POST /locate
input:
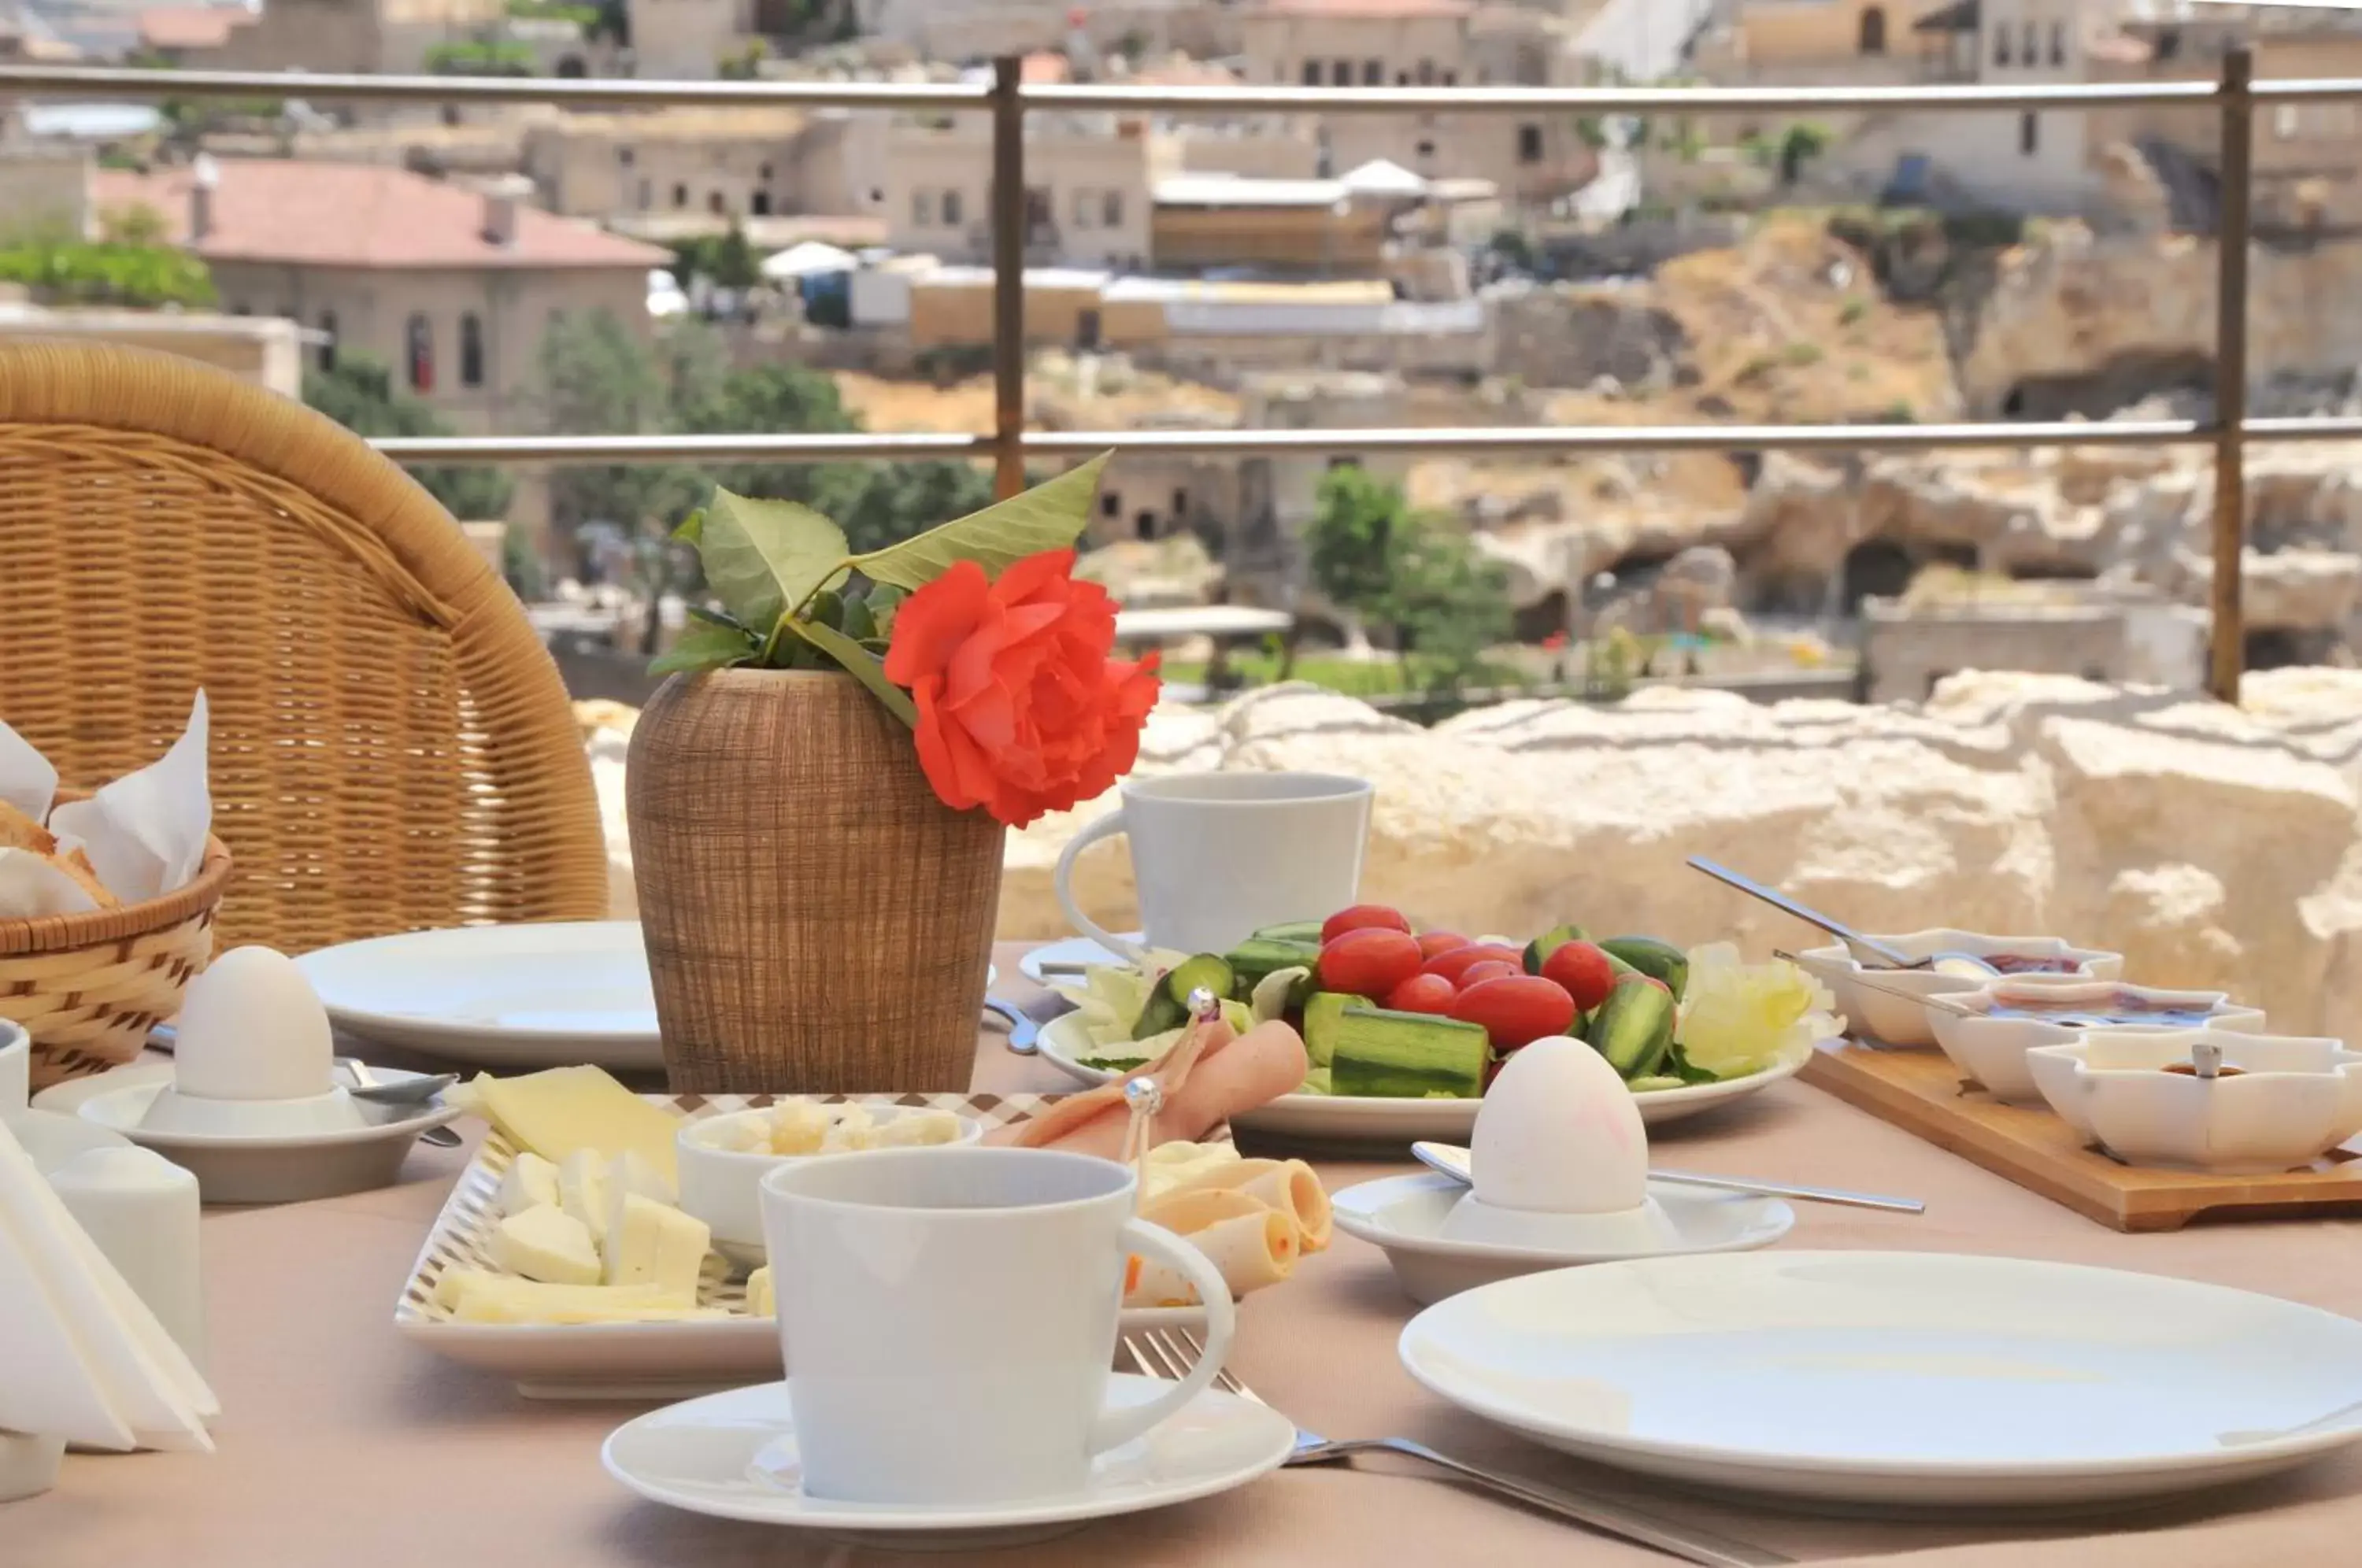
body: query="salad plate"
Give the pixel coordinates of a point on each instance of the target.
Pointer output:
(733, 1456)
(1066, 1043)
(1074, 950)
(530, 995)
(1900, 1380)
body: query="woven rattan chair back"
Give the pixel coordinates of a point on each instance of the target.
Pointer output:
(391, 746)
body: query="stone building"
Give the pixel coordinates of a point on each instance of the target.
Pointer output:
(1087, 182)
(452, 288)
(749, 162)
(364, 36)
(1431, 43)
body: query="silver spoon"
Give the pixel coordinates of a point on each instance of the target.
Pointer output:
(366, 1086)
(1865, 950)
(1455, 1162)
(1024, 1035)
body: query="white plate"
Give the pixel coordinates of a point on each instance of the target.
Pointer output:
(1404, 1215)
(499, 995)
(1349, 1118)
(549, 995)
(733, 1456)
(288, 1167)
(635, 1361)
(1074, 950)
(1900, 1379)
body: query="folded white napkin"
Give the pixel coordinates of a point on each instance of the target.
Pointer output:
(144, 833)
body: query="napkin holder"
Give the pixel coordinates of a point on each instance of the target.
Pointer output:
(89, 987)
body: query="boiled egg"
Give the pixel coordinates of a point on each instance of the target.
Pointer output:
(1560, 1133)
(251, 1028)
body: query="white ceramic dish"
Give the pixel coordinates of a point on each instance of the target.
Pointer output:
(285, 1166)
(1405, 1215)
(733, 1456)
(1991, 1051)
(1351, 1118)
(1900, 1380)
(2292, 1100)
(1073, 950)
(632, 1361)
(1903, 1021)
(725, 1186)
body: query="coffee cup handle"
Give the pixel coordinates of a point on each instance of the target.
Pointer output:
(1118, 1427)
(1062, 883)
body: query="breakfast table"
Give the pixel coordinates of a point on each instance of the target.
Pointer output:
(341, 1443)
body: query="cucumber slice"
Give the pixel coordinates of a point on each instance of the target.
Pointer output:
(1251, 960)
(1549, 942)
(1409, 1055)
(1207, 969)
(1160, 1014)
(1324, 1013)
(1634, 1028)
(1291, 931)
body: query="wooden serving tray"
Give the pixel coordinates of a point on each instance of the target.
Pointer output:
(1922, 1092)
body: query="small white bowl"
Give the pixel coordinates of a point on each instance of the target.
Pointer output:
(1903, 1021)
(2292, 1100)
(725, 1186)
(1407, 1216)
(250, 1160)
(1991, 1051)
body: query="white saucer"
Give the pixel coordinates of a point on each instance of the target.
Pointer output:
(1405, 1215)
(1074, 950)
(733, 1456)
(266, 1167)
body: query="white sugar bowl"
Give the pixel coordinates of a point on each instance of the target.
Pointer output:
(2278, 1103)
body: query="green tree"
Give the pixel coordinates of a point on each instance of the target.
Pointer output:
(359, 394)
(1799, 145)
(878, 503)
(599, 379)
(1415, 574)
(1350, 539)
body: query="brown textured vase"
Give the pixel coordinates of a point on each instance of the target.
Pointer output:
(817, 921)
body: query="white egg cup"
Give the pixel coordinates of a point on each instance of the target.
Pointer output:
(1992, 1051)
(1643, 1228)
(198, 1116)
(725, 1186)
(265, 1150)
(1903, 1020)
(2292, 1099)
(28, 1466)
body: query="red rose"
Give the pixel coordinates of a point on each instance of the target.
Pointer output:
(1020, 710)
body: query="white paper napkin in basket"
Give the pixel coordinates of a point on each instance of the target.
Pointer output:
(144, 833)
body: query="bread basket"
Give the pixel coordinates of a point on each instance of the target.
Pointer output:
(88, 988)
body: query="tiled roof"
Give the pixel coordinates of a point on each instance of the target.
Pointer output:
(359, 215)
(1044, 66)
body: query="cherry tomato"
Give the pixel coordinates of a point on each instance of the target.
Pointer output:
(1363, 917)
(1486, 969)
(1422, 993)
(1435, 944)
(1456, 963)
(1584, 970)
(1516, 1009)
(1370, 962)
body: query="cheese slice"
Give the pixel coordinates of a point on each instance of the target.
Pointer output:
(547, 1244)
(761, 1301)
(582, 1191)
(529, 1181)
(632, 1171)
(497, 1301)
(650, 1243)
(455, 1285)
(558, 1112)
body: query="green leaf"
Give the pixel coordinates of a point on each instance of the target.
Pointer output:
(692, 527)
(763, 558)
(862, 665)
(1047, 517)
(704, 646)
(856, 622)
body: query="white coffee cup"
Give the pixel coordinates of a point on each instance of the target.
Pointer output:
(949, 1317)
(1216, 855)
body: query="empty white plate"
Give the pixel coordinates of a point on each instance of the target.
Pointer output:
(499, 995)
(733, 1456)
(1904, 1380)
(1405, 1215)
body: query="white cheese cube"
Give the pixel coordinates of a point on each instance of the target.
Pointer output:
(530, 1182)
(798, 1127)
(582, 1190)
(853, 1129)
(915, 1129)
(547, 1244)
(649, 1244)
(760, 1300)
(633, 1172)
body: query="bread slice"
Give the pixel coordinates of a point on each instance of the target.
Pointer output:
(18, 831)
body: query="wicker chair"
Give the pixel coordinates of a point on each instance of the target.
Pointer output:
(392, 746)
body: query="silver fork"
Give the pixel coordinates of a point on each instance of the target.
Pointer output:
(1170, 1353)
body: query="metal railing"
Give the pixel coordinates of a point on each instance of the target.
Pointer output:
(2234, 94)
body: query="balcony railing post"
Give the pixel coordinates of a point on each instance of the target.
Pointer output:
(1008, 204)
(2228, 648)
